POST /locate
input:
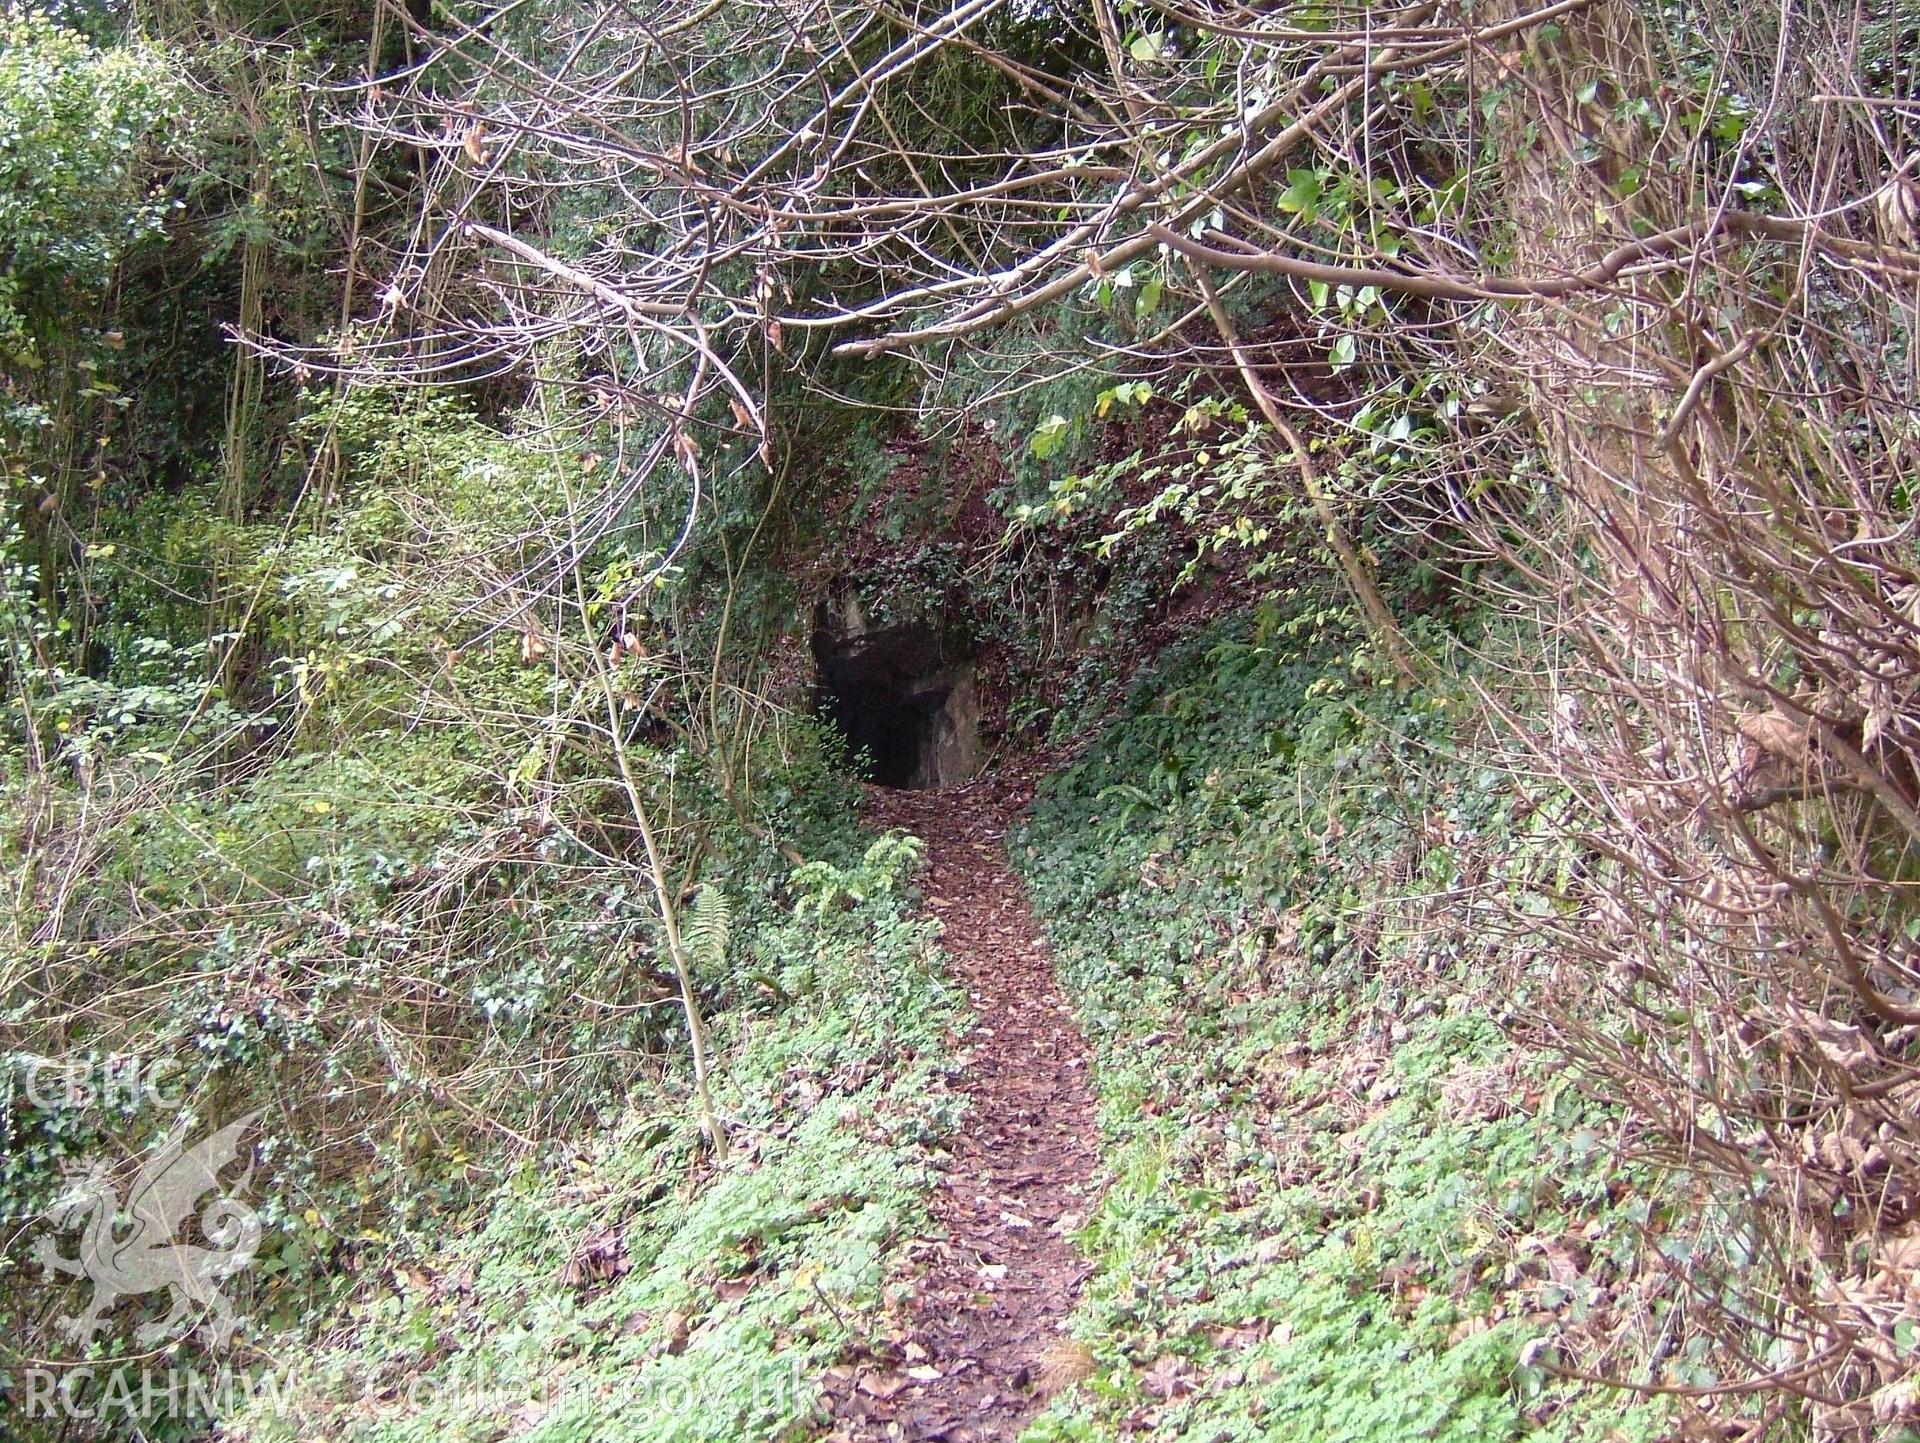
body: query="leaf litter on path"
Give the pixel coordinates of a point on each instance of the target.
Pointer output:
(979, 1347)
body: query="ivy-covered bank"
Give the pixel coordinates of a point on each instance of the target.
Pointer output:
(1347, 1202)
(627, 1288)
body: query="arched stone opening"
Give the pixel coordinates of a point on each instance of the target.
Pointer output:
(899, 697)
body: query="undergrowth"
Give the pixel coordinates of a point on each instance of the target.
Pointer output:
(615, 1283)
(1346, 1203)
(628, 1290)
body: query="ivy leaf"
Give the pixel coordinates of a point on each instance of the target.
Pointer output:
(1302, 195)
(1127, 393)
(1048, 437)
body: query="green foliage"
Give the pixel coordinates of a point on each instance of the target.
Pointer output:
(402, 902)
(822, 889)
(707, 925)
(1344, 1202)
(77, 126)
(627, 1293)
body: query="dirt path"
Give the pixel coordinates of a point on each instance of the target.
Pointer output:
(982, 1344)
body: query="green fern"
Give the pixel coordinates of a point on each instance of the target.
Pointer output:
(709, 919)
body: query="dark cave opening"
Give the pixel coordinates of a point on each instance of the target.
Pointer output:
(896, 697)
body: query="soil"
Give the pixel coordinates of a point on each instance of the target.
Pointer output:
(980, 1346)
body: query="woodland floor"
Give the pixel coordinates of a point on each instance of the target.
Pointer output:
(980, 1346)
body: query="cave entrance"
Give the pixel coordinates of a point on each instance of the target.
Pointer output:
(896, 695)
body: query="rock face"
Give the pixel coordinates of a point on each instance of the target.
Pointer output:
(898, 694)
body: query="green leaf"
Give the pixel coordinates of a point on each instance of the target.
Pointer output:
(1302, 195)
(1048, 437)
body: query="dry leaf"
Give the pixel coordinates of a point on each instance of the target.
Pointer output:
(1901, 1254)
(1898, 209)
(677, 1329)
(1167, 1378)
(1773, 732)
(1841, 1043)
(687, 449)
(600, 1257)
